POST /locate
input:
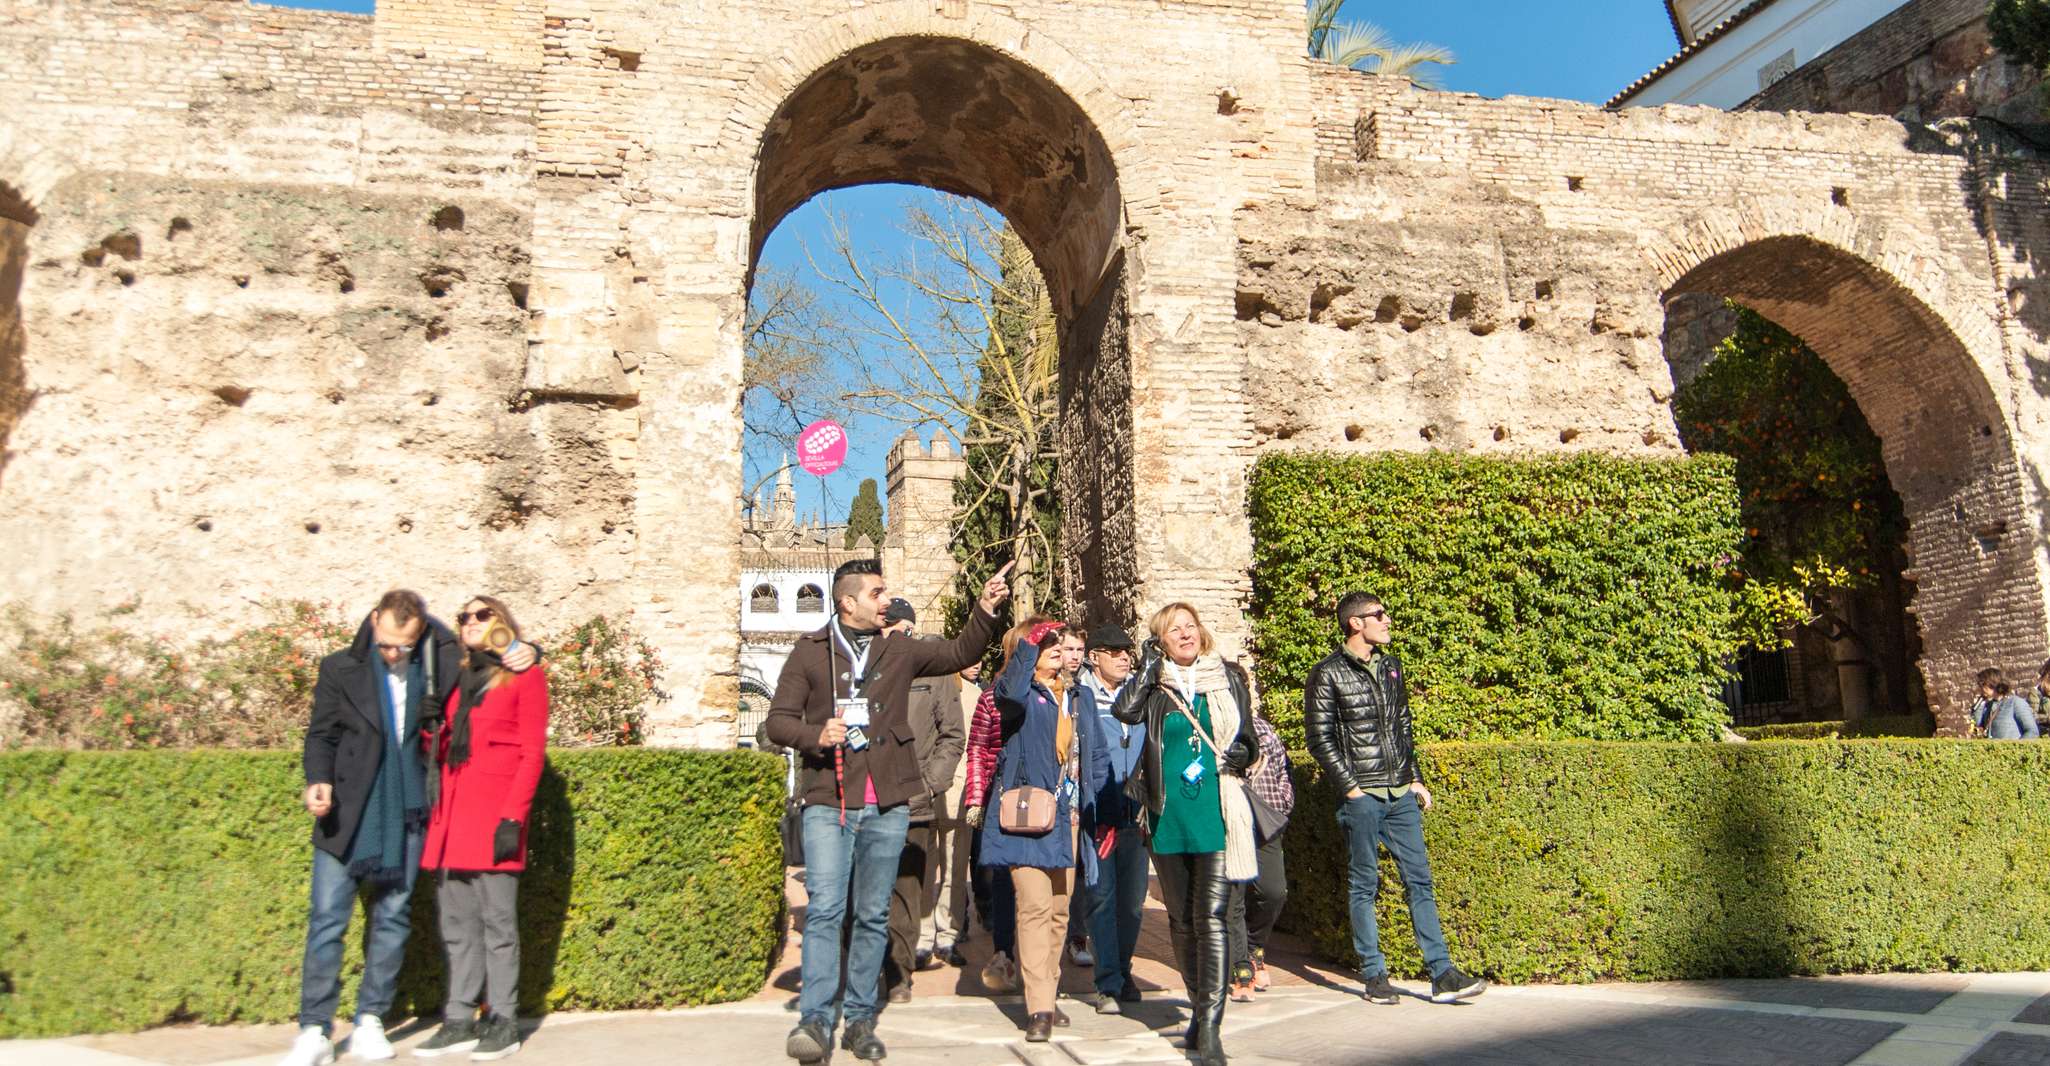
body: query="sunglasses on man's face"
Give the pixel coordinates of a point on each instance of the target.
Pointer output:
(1374, 615)
(481, 614)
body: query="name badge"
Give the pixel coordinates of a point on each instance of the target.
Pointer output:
(852, 711)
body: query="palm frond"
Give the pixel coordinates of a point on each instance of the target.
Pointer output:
(1318, 18)
(1352, 43)
(1409, 61)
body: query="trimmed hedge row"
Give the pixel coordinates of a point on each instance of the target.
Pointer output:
(1591, 861)
(1544, 598)
(149, 887)
(1896, 725)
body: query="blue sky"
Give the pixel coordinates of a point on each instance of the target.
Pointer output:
(1576, 50)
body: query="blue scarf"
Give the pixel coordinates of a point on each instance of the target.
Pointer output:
(398, 800)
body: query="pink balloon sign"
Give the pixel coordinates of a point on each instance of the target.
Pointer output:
(822, 447)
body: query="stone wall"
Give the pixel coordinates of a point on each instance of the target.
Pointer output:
(1926, 60)
(266, 358)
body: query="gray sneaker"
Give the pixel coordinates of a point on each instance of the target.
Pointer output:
(1378, 990)
(452, 1038)
(497, 1038)
(1453, 986)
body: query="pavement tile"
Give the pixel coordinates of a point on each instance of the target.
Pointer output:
(2011, 1049)
(2037, 1013)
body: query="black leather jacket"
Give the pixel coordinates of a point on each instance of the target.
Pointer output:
(1145, 699)
(1358, 728)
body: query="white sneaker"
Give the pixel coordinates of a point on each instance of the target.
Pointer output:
(1079, 950)
(313, 1048)
(368, 1041)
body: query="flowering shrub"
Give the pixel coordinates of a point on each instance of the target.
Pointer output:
(601, 677)
(66, 686)
(106, 686)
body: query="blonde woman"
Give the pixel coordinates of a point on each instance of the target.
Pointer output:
(1198, 713)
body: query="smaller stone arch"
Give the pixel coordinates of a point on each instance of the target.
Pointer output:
(28, 172)
(1884, 318)
(810, 599)
(764, 600)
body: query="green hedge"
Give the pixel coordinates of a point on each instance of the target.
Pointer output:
(150, 887)
(1533, 598)
(1588, 861)
(1901, 725)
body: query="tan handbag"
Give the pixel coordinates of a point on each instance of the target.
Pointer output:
(1023, 810)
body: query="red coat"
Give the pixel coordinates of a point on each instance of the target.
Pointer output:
(508, 747)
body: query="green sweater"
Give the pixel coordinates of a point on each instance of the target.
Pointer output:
(1191, 815)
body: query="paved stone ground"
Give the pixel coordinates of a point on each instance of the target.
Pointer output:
(1312, 1015)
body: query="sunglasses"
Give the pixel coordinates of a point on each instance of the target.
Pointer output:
(1376, 614)
(481, 614)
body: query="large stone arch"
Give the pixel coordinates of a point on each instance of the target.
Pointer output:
(1880, 310)
(990, 111)
(1006, 50)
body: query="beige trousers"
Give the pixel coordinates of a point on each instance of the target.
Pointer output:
(1042, 928)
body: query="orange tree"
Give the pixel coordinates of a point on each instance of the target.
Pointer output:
(1817, 508)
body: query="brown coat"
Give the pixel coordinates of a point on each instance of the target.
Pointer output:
(804, 701)
(939, 735)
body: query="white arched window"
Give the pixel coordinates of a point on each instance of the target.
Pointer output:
(764, 600)
(810, 600)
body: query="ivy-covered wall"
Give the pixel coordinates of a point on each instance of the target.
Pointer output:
(1589, 597)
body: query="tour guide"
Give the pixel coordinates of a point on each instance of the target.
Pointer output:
(843, 703)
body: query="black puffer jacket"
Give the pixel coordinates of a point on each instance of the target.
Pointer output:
(1144, 699)
(1358, 728)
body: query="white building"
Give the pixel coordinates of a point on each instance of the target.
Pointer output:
(1732, 50)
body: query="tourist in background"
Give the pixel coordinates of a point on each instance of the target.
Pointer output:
(1356, 718)
(1072, 656)
(1197, 710)
(952, 891)
(1257, 903)
(493, 745)
(937, 735)
(1999, 714)
(985, 742)
(1114, 861)
(368, 774)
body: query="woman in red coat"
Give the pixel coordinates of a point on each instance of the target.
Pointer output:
(493, 746)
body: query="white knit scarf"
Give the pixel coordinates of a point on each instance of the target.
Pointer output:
(1241, 863)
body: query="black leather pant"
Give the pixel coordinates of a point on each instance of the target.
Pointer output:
(1198, 899)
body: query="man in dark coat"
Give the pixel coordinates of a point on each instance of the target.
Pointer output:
(367, 776)
(938, 735)
(843, 703)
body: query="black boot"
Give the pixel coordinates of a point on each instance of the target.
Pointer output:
(861, 1039)
(1209, 1047)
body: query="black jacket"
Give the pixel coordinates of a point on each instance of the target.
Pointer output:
(1145, 699)
(345, 741)
(1358, 728)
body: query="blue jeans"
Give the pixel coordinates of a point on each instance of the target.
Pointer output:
(848, 872)
(1397, 823)
(391, 921)
(1117, 902)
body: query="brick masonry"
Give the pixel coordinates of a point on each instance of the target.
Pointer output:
(323, 383)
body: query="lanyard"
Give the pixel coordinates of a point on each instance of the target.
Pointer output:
(859, 667)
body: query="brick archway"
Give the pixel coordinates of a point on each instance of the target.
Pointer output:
(1876, 314)
(967, 117)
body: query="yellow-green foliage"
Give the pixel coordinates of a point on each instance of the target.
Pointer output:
(1532, 598)
(1587, 861)
(147, 887)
